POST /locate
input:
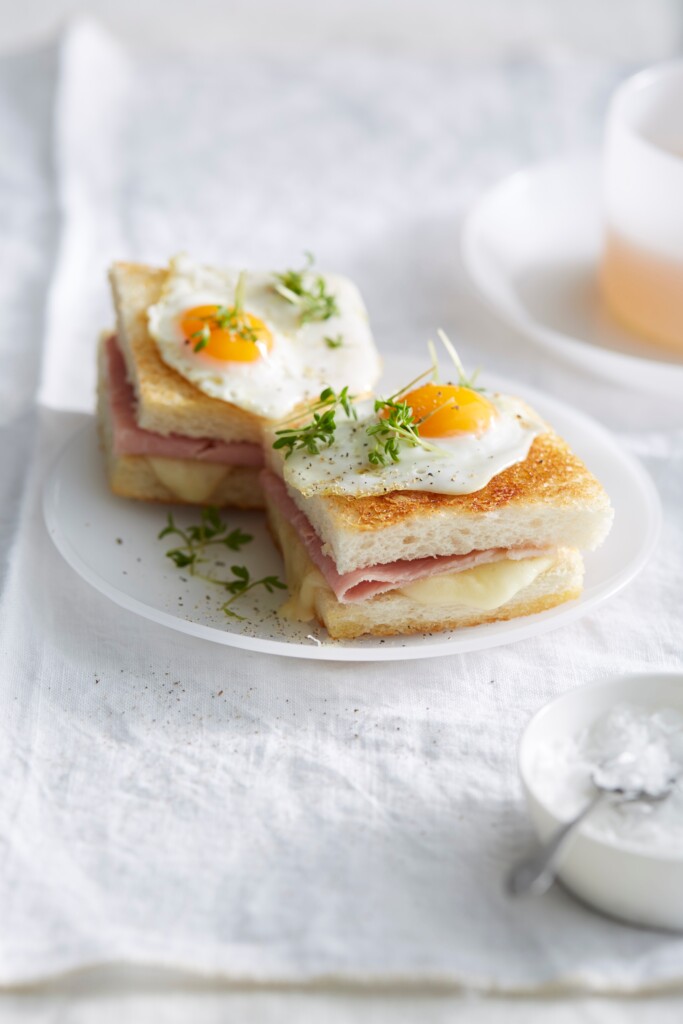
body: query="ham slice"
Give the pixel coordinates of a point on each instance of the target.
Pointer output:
(361, 584)
(130, 439)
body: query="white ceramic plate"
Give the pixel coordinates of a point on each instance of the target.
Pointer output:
(112, 543)
(531, 246)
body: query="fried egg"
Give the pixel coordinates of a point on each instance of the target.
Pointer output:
(466, 437)
(256, 353)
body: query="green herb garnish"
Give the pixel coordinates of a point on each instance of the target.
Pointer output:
(203, 336)
(211, 531)
(335, 342)
(464, 381)
(311, 296)
(395, 425)
(398, 426)
(228, 318)
(390, 432)
(242, 583)
(322, 427)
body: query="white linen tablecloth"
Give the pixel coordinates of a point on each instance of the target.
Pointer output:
(171, 802)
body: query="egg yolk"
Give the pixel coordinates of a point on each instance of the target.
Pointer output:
(225, 333)
(450, 409)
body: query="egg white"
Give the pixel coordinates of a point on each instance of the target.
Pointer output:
(460, 464)
(299, 364)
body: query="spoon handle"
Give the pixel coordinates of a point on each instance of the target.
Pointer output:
(537, 873)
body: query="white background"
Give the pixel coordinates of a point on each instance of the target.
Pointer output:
(640, 30)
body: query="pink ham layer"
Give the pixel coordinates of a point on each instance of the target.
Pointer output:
(361, 584)
(130, 439)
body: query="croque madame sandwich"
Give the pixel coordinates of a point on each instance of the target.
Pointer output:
(443, 506)
(203, 358)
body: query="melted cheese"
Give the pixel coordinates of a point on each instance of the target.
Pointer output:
(304, 579)
(485, 587)
(300, 607)
(189, 481)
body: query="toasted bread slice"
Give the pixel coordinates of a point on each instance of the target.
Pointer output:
(182, 481)
(166, 402)
(550, 500)
(394, 613)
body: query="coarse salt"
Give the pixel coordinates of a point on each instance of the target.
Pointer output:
(642, 748)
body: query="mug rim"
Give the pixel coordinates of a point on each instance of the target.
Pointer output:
(618, 118)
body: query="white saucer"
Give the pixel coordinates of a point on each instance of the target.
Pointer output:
(112, 543)
(531, 246)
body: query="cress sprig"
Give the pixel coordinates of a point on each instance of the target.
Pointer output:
(321, 429)
(228, 318)
(311, 296)
(242, 583)
(398, 426)
(212, 530)
(464, 380)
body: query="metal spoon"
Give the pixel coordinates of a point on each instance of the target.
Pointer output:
(535, 874)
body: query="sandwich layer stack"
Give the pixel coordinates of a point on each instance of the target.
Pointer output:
(407, 561)
(181, 408)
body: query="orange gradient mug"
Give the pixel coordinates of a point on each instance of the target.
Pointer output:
(641, 274)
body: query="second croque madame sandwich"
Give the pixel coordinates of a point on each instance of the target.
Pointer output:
(203, 358)
(443, 506)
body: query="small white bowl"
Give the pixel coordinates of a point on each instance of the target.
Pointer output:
(641, 888)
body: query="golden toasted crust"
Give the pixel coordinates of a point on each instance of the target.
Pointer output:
(167, 403)
(341, 629)
(550, 473)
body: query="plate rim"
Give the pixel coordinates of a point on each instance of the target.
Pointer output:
(571, 347)
(473, 639)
